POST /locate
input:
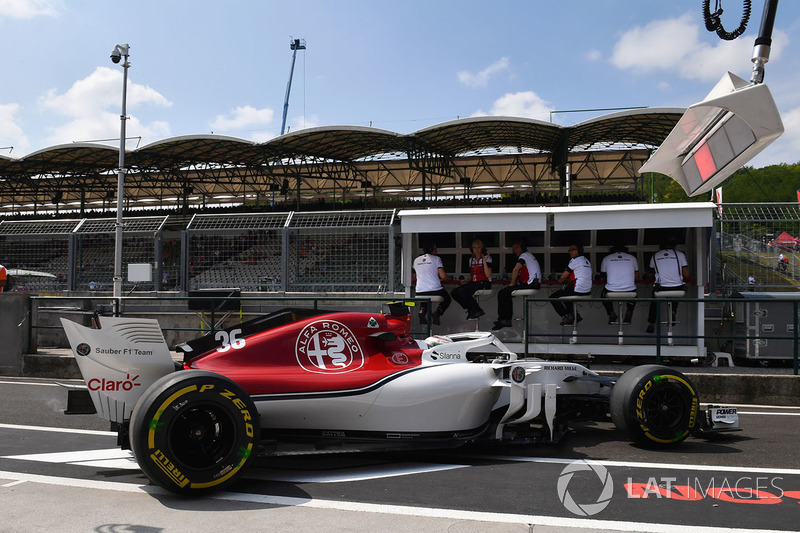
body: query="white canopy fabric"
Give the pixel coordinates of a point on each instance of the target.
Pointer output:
(683, 215)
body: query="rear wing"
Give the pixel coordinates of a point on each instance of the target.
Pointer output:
(119, 361)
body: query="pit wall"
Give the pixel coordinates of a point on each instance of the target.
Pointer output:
(14, 331)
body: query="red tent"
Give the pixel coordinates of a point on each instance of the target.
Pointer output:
(784, 238)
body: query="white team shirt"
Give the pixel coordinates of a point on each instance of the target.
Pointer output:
(582, 270)
(530, 268)
(668, 265)
(620, 269)
(427, 268)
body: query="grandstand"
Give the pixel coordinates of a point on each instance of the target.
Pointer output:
(314, 211)
(78, 254)
(340, 251)
(467, 158)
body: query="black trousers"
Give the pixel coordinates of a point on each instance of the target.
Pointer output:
(505, 300)
(566, 307)
(463, 294)
(443, 305)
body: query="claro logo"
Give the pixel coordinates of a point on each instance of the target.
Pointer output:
(110, 385)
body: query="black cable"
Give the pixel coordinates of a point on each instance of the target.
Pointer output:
(714, 23)
(711, 19)
(757, 184)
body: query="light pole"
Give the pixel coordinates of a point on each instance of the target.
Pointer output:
(120, 51)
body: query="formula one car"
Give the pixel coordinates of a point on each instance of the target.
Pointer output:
(301, 379)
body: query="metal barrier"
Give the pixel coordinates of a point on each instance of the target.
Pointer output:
(792, 328)
(220, 309)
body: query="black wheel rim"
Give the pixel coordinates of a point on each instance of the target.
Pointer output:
(201, 436)
(665, 409)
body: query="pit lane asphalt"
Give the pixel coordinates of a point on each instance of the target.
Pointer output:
(502, 488)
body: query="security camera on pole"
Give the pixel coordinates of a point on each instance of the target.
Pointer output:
(120, 51)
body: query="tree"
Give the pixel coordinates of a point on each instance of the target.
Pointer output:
(774, 183)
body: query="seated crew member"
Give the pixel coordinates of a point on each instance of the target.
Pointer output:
(621, 272)
(480, 267)
(525, 275)
(578, 279)
(671, 271)
(428, 274)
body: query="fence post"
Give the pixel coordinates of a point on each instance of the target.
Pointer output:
(658, 332)
(796, 344)
(525, 323)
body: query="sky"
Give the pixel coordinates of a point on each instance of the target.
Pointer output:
(201, 67)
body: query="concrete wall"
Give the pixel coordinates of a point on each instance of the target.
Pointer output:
(748, 389)
(13, 332)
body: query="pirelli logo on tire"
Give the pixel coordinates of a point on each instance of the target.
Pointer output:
(667, 403)
(242, 409)
(194, 430)
(168, 468)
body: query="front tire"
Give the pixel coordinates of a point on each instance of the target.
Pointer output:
(655, 405)
(193, 431)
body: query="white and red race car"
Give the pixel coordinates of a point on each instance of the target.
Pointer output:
(301, 379)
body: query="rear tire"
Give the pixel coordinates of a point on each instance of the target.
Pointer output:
(655, 405)
(193, 431)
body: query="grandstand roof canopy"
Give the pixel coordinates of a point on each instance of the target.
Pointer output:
(480, 155)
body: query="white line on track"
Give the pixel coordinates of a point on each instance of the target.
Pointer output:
(628, 464)
(752, 405)
(124, 460)
(363, 473)
(108, 458)
(763, 413)
(59, 430)
(397, 510)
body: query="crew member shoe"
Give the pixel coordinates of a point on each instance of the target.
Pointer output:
(476, 314)
(567, 320)
(651, 328)
(628, 317)
(613, 318)
(500, 324)
(423, 319)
